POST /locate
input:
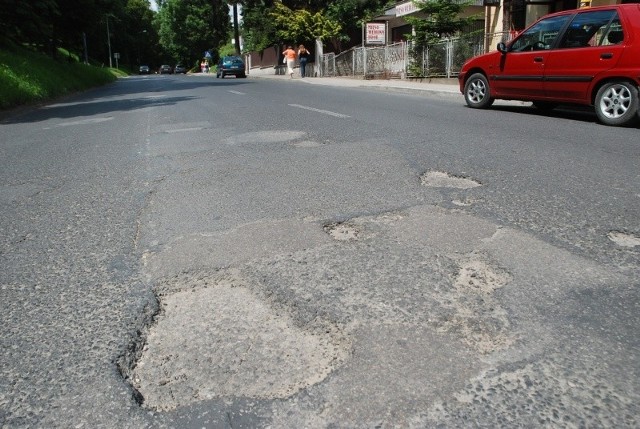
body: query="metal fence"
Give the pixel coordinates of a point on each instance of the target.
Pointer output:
(400, 60)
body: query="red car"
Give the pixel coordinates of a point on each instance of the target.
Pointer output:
(584, 56)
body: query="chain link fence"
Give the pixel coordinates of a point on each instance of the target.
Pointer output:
(400, 60)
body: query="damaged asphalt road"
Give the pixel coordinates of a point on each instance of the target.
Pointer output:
(168, 264)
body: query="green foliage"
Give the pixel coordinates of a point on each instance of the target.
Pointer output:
(26, 21)
(442, 20)
(188, 28)
(27, 77)
(260, 33)
(302, 25)
(226, 50)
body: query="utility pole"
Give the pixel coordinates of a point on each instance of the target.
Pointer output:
(109, 42)
(84, 46)
(236, 30)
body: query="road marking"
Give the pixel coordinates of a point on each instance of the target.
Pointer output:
(85, 121)
(237, 92)
(181, 130)
(324, 112)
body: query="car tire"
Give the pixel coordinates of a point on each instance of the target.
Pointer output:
(242, 76)
(617, 103)
(477, 93)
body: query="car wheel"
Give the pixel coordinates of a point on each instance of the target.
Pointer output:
(617, 103)
(545, 106)
(242, 75)
(477, 93)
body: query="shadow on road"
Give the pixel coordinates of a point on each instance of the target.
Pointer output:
(124, 95)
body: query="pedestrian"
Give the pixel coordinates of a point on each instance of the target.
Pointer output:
(290, 58)
(202, 66)
(303, 55)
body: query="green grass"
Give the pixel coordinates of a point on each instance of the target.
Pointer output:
(28, 77)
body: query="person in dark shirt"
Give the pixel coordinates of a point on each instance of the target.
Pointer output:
(303, 56)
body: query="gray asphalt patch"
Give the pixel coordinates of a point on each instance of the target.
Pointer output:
(439, 179)
(624, 239)
(219, 340)
(421, 317)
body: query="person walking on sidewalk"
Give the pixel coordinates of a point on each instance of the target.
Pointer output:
(303, 55)
(290, 58)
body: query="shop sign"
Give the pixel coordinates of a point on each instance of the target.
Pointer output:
(376, 33)
(406, 8)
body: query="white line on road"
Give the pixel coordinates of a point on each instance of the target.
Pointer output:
(324, 112)
(237, 92)
(84, 121)
(182, 130)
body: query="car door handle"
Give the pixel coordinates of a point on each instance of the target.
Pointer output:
(537, 59)
(606, 56)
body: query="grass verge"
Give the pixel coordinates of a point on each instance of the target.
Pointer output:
(28, 77)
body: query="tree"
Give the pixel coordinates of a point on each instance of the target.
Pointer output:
(188, 28)
(260, 33)
(26, 21)
(351, 15)
(139, 34)
(302, 25)
(443, 19)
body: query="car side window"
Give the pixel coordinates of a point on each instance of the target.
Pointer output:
(612, 35)
(587, 29)
(541, 35)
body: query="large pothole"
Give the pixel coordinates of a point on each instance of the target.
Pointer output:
(223, 341)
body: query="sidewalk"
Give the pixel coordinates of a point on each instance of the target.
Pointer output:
(447, 87)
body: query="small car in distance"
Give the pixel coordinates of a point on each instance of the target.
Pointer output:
(164, 69)
(144, 70)
(179, 69)
(588, 57)
(231, 66)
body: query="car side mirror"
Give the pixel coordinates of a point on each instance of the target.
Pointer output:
(502, 47)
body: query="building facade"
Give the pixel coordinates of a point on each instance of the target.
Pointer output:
(498, 19)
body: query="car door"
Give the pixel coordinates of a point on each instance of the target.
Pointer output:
(590, 45)
(521, 70)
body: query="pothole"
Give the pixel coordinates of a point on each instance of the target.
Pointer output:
(623, 239)
(478, 276)
(439, 179)
(362, 228)
(222, 341)
(477, 316)
(343, 231)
